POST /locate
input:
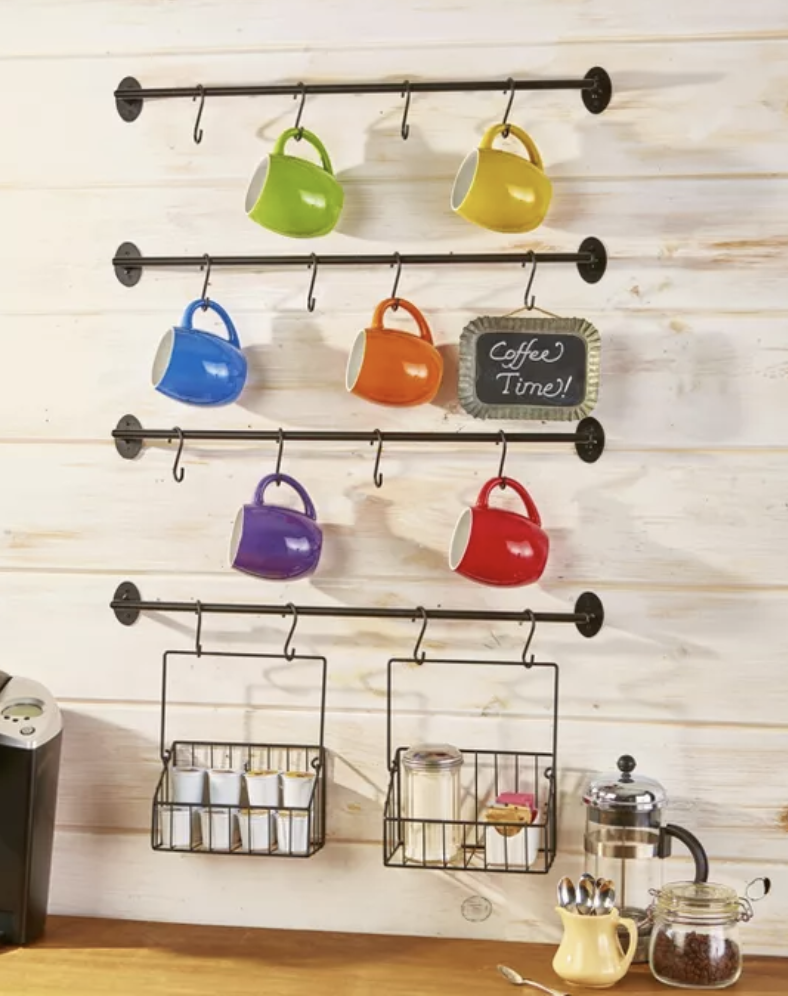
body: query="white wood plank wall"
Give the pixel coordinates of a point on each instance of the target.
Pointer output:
(682, 527)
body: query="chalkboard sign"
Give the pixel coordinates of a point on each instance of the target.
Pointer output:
(529, 368)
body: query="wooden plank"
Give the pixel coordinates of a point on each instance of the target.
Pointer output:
(103, 788)
(87, 956)
(662, 656)
(656, 517)
(715, 111)
(132, 28)
(118, 875)
(671, 381)
(674, 244)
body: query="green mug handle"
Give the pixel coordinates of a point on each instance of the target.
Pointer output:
(313, 140)
(492, 133)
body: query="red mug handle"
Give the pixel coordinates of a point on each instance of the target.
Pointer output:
(412, 310)
(484, 496)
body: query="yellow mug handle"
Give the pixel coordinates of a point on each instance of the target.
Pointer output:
(632, 929)
(492, 133)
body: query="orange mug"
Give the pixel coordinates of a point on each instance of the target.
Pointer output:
(394, 367)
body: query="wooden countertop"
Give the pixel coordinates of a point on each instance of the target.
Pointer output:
(86, 957)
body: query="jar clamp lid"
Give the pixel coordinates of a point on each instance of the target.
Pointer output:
(707, 902)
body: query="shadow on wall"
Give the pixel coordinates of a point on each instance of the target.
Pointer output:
(309, 366)
(108, 774)
(423, 206)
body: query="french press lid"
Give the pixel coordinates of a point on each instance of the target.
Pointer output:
(625, 792)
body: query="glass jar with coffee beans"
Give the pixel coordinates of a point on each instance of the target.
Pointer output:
(695, 936)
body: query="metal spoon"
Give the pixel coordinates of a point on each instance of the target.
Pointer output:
(566, 894)
(584, 899)
(604, 899)
(517, 980)
(589, 880)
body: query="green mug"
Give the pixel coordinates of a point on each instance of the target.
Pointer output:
(293, 196)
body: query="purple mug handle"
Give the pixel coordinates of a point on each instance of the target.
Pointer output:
(309, 508)
(188, 317)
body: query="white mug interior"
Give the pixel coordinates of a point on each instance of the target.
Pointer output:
(461, 538)
(161, 361)
(256, 185)
(355, 360)
(237, 535)
(463, 182)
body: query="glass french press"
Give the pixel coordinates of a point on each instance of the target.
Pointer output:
(624, 833)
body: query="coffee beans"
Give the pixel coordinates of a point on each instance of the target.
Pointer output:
(695, 959)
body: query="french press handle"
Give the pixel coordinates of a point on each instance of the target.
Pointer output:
(693, 845)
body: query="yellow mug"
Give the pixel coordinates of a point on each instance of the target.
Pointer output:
(500, 190)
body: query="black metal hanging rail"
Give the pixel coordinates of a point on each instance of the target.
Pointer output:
(590, 259)
(588, 439)
(595, 88)
(588, 615)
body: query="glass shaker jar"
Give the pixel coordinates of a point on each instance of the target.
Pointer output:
(695, 936)
(431, 803)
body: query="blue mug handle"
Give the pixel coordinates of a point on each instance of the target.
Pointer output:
(309, 508)
(188, 318)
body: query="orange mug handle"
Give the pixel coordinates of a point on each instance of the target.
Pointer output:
(484, 496)
(412, 310)
(530, 147)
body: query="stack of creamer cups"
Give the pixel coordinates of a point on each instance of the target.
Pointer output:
(257, 811)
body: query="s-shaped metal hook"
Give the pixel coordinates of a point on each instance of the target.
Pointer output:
(197, 133)
(377, 476)
(419, 655)
(526, 660)
(289, 651)
(177, 471)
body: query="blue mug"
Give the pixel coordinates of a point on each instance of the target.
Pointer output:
(200, 368)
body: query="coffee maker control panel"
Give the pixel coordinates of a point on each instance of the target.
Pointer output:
(29, 716)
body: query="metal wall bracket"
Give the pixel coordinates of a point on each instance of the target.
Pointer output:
(130, 107)
(597, 99)
(127, 273)
(128, 591)
(593, 270)
(590, 444)
(590, 605)
(128, 448)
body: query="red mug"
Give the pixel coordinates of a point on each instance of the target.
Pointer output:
(498, 547)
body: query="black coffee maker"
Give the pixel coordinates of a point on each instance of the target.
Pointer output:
(31, 730)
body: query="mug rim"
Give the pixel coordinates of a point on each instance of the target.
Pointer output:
(257, 184)
(355, 360)
(472, 157)
(462, 530)
(163, 358)
(237, 534)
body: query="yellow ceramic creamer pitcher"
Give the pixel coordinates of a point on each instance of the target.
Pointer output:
(590, 953)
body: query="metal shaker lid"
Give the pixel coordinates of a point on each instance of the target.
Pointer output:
(432, 757)
(625, 791)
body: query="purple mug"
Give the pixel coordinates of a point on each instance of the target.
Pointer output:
(274, 542)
